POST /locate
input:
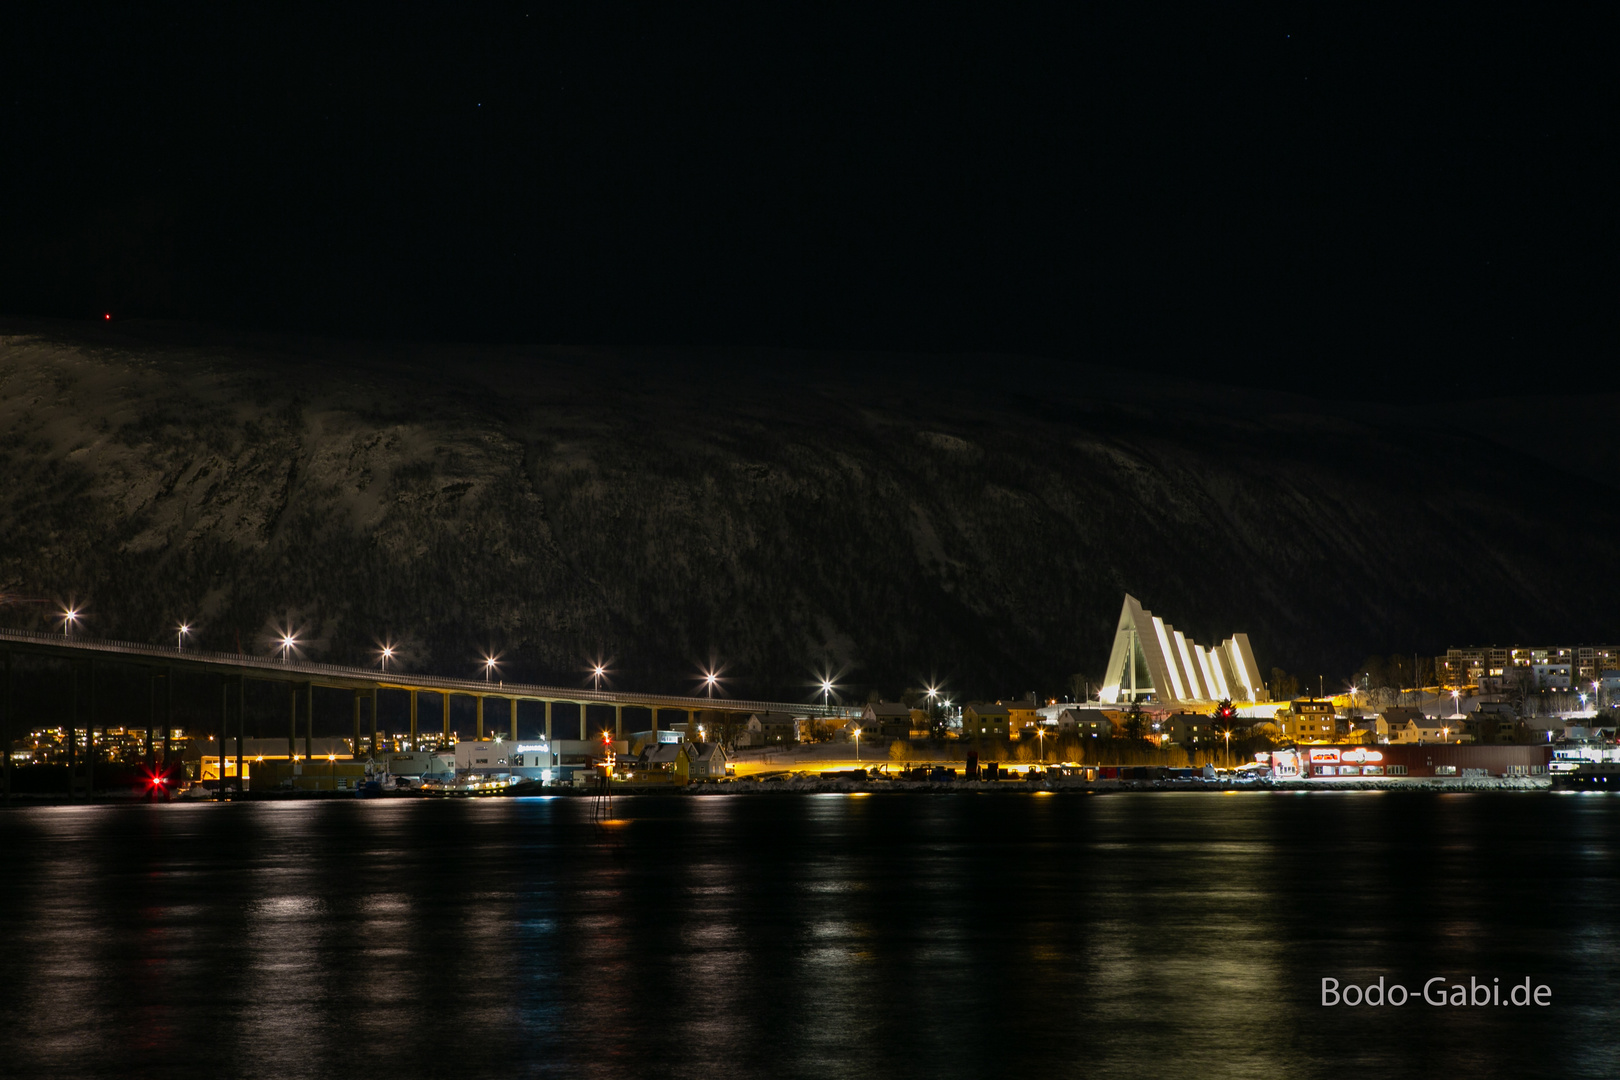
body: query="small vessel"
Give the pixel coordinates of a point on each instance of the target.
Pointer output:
(471, 782)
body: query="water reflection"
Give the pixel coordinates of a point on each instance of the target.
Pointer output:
(1137, 935)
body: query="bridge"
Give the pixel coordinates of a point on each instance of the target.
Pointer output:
(302, 677)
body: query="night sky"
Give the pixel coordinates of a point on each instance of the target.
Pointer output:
(1402, 204)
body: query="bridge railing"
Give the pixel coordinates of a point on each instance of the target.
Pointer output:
(276, 667)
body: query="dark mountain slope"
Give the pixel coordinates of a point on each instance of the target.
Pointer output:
(894, 517)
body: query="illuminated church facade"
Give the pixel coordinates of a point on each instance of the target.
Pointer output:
(1153, 661)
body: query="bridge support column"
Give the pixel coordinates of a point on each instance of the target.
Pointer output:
(90, 738)
(444, 707)
(9, 726)
(356, 744)
(652, 715)
(479, 735)
(413, 721)
(373, 721)
(583, 734)
(151, 714)
(309, 721)
(73, 729)
(292, 722)
(241, 730)
(168, 723)
(548, 723)
(224, 726)
(618, 722)
(691, 723)
(514, 719)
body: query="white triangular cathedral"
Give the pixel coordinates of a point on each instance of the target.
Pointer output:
(1153, 661)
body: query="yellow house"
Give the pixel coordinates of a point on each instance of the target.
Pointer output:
(1308, 721)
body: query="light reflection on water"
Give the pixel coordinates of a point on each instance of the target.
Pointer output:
(1158, 935)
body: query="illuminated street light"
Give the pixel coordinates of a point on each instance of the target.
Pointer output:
(596, 676)
(857, 744)
(710, 678)
(490, 664)
(70, 619)
(386, 653)
(180, 636)
(288, 643)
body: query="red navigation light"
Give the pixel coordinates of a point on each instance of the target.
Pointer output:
(107, 317)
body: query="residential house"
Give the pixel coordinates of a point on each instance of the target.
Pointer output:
(1428, 729)
(1308, 721)
(774, 729)
(1084, 724)
(982, 720)
(700, 761)
(887, 720)
(1491, 727)
(1191, 730)
(1022, 716)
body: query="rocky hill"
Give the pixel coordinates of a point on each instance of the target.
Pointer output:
(893, 518)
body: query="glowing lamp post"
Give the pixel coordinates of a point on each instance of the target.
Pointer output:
(489, 666)
(857, 744)
(70, 619)
(180, 636)
(288, 641)
(387, 654)
(596, 676)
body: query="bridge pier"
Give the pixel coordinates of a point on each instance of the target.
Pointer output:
(618, 723)
(224, 727)
(9, 727)
(373, 721)
(355, 752)
(478, 733)
(652, 711)
(444, 707)
(151, 714)
(514, 719)
(583, 734)
(548, 723)
(241, 730)
(292, 722)
(413, 721)
(90, 738)
(73, 728)
(309, 721)
(168, 726)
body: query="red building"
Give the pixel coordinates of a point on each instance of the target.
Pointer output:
(1410, 760)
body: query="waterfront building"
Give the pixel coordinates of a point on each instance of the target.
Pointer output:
(1409, 760)
(1153, 661)
(700, 761)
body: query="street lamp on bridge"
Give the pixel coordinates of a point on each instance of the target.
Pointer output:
(386, 653)
(70, 619)
(180, 636)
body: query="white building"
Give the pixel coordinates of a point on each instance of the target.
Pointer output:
(1152, 660)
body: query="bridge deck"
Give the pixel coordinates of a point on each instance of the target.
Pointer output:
(269, 668)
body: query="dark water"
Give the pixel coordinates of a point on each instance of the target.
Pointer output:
(1163, 935)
